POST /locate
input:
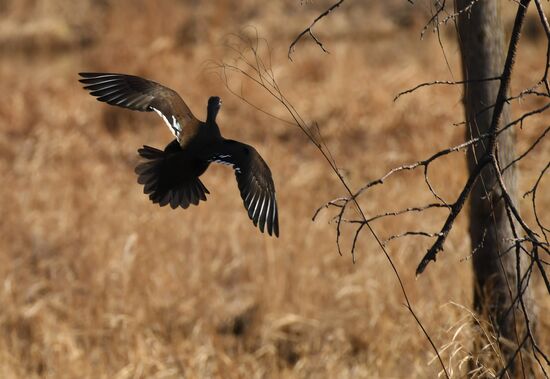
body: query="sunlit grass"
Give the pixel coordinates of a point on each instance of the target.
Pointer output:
(95, 281)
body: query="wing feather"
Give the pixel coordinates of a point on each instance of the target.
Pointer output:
(139, 94)
(254, 180)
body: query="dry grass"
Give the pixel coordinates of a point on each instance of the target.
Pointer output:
(96, 282)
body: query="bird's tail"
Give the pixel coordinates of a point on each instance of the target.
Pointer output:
(164, 183)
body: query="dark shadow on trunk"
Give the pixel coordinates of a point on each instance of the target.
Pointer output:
(481, 38)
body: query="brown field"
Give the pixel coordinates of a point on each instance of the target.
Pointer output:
(97, 282)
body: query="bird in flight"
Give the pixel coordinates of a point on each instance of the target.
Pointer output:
(171, 176)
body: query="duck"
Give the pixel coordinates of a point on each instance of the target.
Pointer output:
(172, 176)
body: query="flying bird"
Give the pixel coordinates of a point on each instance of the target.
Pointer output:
(171, 176)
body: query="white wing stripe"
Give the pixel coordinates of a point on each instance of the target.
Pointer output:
(112, 79)
(110, 92)
(267, 210)
(220, 158)
(251, 202)
(222, 162)
(137, 99)
(256, 208)
(174, 126)
(262, 207)
(103, 88)
(274, 212)
(122, 99)
(247, 196)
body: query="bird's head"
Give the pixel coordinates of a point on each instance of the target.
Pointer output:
(214, 105)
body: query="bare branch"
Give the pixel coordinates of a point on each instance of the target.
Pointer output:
(443, 82)
(334, 203)
(504, 370)
(506, 74)
(455, 211)
(513, 209)
(491, 145)
(546, 26)
(526, 152)
(522, 118)
(434, 18)
(408, 210)
(533, 193)
(521, 95)
(379, 216)
(455, 15)
(422, 163)
(479, 246)
(308, 30)
(258, 71)
(410, 233)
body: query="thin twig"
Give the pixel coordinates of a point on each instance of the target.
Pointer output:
(455, 211)
(433, 19)
(410, 233)
(533, 145)
(258, 69)
(533, 193)
(491, 145)
(443, 82)
(308, 30)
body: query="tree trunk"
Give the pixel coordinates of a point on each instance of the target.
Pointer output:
(481, 38)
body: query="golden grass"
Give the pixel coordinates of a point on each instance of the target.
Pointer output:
(97, 282)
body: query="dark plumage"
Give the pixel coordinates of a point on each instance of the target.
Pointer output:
(171, 176)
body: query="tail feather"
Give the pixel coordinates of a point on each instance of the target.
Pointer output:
(193, 195)
(202, 191)
(162, 183)
(149, 152)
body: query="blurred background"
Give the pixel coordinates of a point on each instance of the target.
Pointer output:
(97, 282)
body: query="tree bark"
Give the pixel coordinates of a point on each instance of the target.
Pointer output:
(481, 39)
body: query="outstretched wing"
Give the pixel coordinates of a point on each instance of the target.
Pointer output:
(254, 180)
(143, 95)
